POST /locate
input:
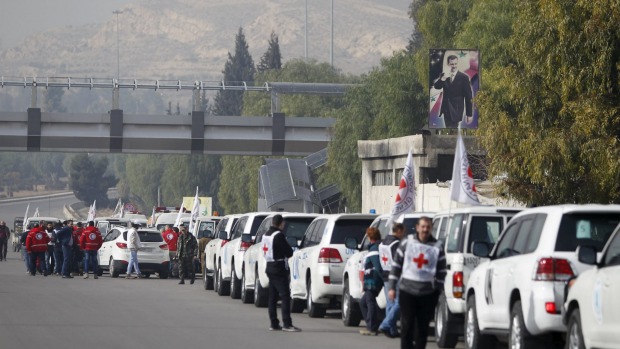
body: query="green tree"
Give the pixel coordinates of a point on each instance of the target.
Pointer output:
(272, 59)
(53, 100)
(554, 132)
(238, 68)
(143, 174)
(88, 181)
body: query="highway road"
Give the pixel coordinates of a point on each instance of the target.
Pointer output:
(48, 206)
(51, 312)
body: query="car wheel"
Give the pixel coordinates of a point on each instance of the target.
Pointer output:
(574, 336)
(222, 288)
(351, 313)
(246, 295)
(315, 310)
(473, 338)
(113, 272)
(443, 319)
(261, 295)
(207, 280)
(235, 285)
(519, 337)
(146, 275)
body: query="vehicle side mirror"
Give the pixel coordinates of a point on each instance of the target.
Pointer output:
(587, 255)
(223, 235)
(292, 241)
(247, 238)
(481, 249)
(351, 243)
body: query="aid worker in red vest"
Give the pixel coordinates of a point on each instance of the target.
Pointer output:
(36, 246)
(78, 257)
(90, 243)
(171, 237)
(420, 266)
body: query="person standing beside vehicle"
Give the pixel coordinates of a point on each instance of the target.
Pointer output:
(36, 245)
(373, 282)
(90, 243)
(133, 244)
(50, 256)
(419, 266)
(64, 238)
(186, 252)
(387, 251)
(58, 256)
(277, 251)
(25, 255)
(77, 257)
(5, 233)
(171, 238)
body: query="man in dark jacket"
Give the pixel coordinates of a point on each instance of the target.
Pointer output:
(457, 94)
(277, 252)
(5, 233)
(22, 241)
(373, 282)
(186, 252)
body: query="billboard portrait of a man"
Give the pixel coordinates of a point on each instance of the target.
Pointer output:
(454, 82)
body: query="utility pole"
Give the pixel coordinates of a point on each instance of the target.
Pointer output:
(306, 31)
(331, 48)
(118, 51)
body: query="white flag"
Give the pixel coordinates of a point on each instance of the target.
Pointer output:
(118, 209)
(195, 211)
(462, 189)
(36, 213)
(92, 212)
(153, 217)
(177, 222)
(405, 199)
(26, 214)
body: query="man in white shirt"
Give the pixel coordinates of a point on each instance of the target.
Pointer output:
(133, 244)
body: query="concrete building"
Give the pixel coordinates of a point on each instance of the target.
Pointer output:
(433, 156)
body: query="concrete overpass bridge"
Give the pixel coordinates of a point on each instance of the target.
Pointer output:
(197, 133)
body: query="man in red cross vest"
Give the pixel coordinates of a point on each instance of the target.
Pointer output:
(419, 270)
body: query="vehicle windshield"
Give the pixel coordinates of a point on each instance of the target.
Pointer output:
(206, 229)
(355, 228)
(592, 229)
(485, 229)
(147, 236)
(296, 227)
(256, 224)
(612, 256)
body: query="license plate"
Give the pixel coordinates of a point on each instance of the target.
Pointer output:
(146, 249)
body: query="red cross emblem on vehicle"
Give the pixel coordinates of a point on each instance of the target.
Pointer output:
(420, 261)
(265, 249)
(384, 259)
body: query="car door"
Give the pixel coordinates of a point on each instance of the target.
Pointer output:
(609, 285)
(106, 248)
(299, 260)
(494, 275)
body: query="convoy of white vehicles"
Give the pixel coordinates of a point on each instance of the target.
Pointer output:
(537, 277)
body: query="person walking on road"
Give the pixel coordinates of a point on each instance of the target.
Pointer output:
(420, 267)
(133, 244)
(171, 238)
(36, 245)
(90, 243)
(373, 282)
(387, 251)
(25, 255)
(186, 252)
(277, 251)
(64, 238)
(5, 233)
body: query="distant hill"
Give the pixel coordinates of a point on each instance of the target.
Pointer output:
(189, 39)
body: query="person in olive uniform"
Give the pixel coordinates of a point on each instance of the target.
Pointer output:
(186, 252)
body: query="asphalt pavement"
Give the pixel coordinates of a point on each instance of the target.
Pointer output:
(51, 312)
(50, 206)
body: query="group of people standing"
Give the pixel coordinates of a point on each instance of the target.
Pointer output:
(57, 249)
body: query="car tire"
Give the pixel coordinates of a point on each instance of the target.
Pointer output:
(351, 313)
(315, 310)
(473, 338)
(146, 275)
(443, 321)
(261, 295)
(235, 284)
(223, 288)
(519, 337)
(164, 273)
(247, 296)
(574, 335)
(297, 305)
(113, 272)
(207, 280)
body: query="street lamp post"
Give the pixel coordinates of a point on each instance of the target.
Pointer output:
(331, 48)
(306, 34)
(118, 51)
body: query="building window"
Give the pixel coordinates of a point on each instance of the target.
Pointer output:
(399, 175)
(384, 177)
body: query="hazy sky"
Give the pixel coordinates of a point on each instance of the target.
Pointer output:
(20, 18)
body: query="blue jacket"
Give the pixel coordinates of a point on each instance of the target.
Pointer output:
(65, 236)
(373, 279)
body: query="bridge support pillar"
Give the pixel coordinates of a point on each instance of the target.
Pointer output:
(278, 134)
(33, 143)
(116, 131)
(198, 132)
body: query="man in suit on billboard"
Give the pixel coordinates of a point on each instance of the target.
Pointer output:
(457, 94)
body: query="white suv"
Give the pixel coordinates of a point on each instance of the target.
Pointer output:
(354, 270)
(212, 251)
(254, 281)
(592, 308)
(229, 271)
(317, 267)
(458, 229)
(519, 292)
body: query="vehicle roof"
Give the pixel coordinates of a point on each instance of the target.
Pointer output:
(207, 218)
(342, 216)
(43, 219)
(480, 209)
(409, 215)
(172, 214)
(570, 208)
(148, 230)
(118, 219)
